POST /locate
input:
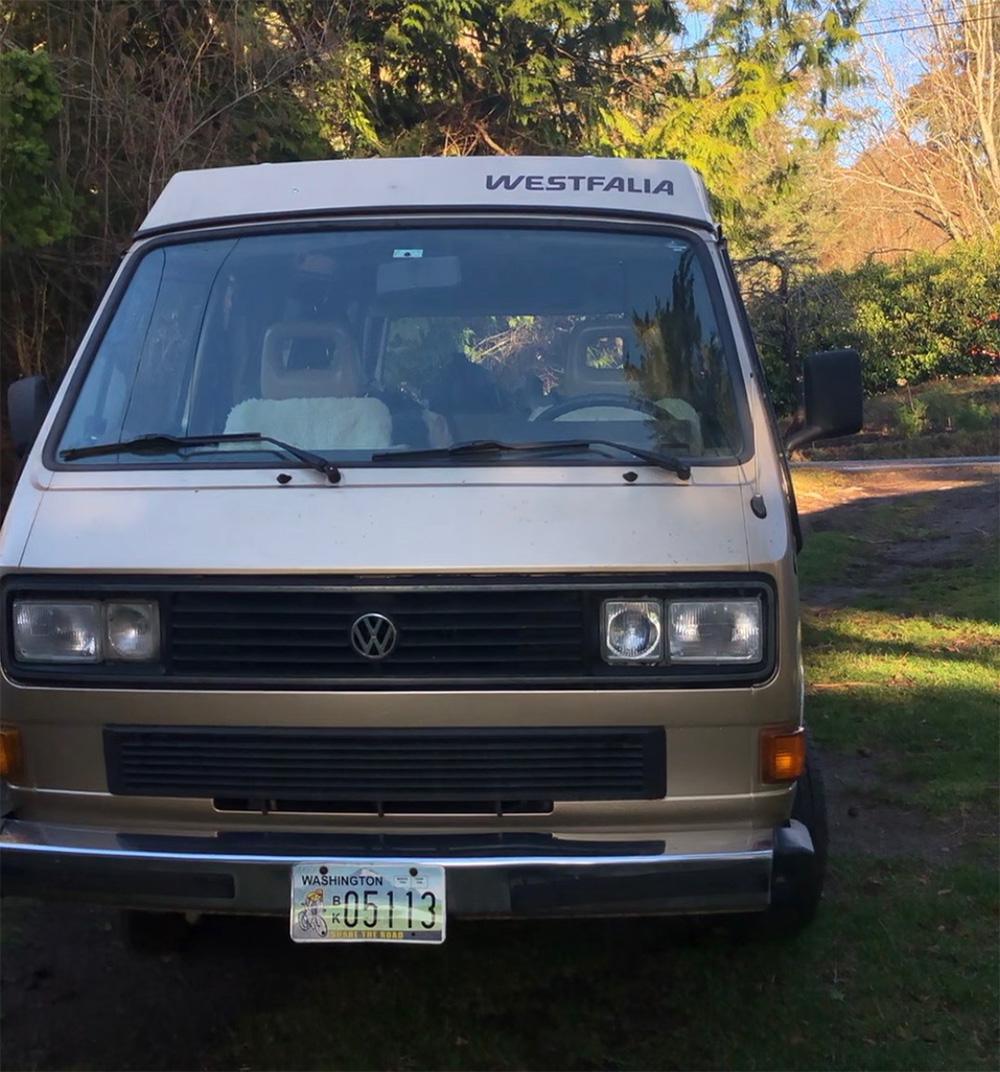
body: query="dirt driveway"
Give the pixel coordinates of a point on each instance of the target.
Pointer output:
(74, 996)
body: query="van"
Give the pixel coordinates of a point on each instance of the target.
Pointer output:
(412, 540)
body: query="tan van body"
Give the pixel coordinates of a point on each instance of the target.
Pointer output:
(462, 535)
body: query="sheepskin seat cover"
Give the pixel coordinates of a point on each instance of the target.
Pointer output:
(317, 423)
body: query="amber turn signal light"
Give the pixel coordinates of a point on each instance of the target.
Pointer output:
(782, 754)
(10, 753)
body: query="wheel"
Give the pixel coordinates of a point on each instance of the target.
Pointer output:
(155, 933)
(798, 877)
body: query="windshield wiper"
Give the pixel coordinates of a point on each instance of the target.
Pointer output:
(489, 446)
(162, 443)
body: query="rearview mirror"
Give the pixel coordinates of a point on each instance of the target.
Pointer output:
(27, 403)
(832, 395)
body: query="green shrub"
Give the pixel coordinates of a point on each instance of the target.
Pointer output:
(34, 209)
(911, 418)
(922, 317)
(943, 407)
(973, 417)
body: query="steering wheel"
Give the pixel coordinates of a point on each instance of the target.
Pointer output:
(642, 405)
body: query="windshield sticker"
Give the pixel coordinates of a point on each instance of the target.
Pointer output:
(403, 253)
(590, 183)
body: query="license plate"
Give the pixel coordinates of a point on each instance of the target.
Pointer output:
(368, 902)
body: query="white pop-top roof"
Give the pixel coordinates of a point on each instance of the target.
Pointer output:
(322, 187)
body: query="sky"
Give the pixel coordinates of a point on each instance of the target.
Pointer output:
(894, 26)
(891, 29)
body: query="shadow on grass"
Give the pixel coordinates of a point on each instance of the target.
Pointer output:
(942, 741)
(908, 551)
(892, 975)
(642, 993)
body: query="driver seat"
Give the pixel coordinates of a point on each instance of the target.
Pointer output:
(312, 391)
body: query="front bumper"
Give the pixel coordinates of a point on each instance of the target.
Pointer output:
(499, 875)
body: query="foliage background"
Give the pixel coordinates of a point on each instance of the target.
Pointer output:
(923, 316)
(101, 102)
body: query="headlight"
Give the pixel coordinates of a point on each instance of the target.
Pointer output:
(133, 630)
(47, 631)
(716, 631)
(633, 631)
(57, 632)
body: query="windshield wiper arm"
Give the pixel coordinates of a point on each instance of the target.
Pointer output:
(163, 443)
(491, 446)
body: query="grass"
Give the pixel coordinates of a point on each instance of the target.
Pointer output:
(920, 693)
(844, 551)
(909, 671)
(900, 969)
(831, 556)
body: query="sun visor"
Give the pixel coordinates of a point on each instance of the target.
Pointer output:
(484, 288)
(409, 270)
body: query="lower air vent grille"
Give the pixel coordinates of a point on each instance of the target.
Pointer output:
(379, 765)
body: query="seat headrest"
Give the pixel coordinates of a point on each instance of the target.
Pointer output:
(309, 359)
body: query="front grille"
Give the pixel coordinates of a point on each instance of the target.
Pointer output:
(386, 765)
(442, 634)
(476, 632)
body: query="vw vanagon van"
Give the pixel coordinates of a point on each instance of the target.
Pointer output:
(411, 540)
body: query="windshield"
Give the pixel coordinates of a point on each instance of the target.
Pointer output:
(355, 342)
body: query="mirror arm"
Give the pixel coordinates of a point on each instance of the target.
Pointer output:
(801, 437)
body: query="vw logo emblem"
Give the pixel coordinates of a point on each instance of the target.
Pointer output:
(373, 636)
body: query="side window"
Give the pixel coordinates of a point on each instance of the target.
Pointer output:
(100, 408)
(139, 378)
(158, 395)
(606, 352)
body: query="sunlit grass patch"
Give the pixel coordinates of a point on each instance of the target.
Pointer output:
(882, 631)
(812, 483)
(916, 686)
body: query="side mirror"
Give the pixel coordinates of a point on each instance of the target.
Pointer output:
(27, 403)
(832, 395)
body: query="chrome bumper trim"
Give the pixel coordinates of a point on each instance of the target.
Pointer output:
(448, 862)
(732, 873)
